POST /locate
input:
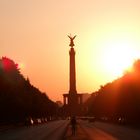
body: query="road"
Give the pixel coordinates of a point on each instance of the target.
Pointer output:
(105, 131)
(55, 130)
(49, 131)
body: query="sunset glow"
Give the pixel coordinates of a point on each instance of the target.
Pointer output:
(34, 35)
(119, 56)
(21, 66)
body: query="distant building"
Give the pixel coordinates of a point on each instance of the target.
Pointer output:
(59, 103)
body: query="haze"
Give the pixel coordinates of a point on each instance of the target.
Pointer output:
(34, 34)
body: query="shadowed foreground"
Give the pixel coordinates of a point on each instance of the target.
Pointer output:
(102, 131)
(48, 131)
(58, 130)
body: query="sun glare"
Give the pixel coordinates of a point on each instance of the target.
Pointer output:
(118, 57)
(21, 65)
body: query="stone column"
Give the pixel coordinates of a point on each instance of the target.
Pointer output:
(72, 72)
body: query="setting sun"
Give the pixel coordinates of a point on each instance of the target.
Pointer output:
(34, 35)
(119, 56)
(65, 60)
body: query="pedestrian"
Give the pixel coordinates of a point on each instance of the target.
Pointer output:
(73, 125)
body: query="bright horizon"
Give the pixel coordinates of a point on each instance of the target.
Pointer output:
(34, 33)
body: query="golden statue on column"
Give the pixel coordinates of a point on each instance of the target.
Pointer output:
(71, 40)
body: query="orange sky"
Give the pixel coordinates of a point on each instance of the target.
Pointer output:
(34, 34)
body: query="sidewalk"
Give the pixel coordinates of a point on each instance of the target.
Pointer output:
(80, 134)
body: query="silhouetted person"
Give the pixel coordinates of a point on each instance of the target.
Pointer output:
(73, 125)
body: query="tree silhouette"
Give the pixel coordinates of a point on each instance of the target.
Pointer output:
(120, 99)
(18, 98)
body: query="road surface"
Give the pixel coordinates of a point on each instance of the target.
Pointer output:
(105, 131)
(86, 131)
(49, 131)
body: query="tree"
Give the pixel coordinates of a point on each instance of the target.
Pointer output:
(18, 98)
(120, 98)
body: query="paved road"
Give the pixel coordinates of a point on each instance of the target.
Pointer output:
(49, 131)
(86, 131)
(104, 131)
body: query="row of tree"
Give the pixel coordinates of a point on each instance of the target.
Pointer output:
(118, 100)
(19, 99)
